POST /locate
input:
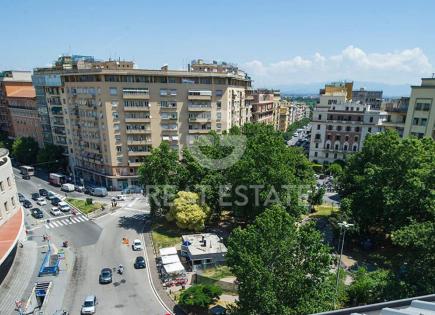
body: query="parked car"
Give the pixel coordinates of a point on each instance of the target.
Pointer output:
(37, 213)
(35, 196)
(87, 190)
(55, 201)
(21, 197)
(55, 211)
(120, 197)
(139, 263)
(26, 176)
(105, 276)
(79, 188)
(27, 204)
(89, 305)
(64, 207)
(137, 245)
(41, 201)
(43, 192)
(99, 192)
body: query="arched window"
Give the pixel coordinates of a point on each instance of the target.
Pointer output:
(355, 147)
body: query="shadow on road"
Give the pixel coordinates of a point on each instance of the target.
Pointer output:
(135, 222)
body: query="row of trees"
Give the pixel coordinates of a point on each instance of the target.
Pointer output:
(26, 151)
(276, 172)
(295, 126)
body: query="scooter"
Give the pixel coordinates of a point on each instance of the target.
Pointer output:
(121, 270)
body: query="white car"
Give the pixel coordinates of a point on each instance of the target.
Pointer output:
(55, 211)
(121, 197)
(41, 201)
(63, 206)
(89, 305)
(137, 245)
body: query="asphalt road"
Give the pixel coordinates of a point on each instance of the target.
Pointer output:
(129, 293)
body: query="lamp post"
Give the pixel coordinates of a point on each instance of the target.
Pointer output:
(343, 227)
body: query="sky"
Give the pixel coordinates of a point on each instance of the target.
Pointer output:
(279, 43)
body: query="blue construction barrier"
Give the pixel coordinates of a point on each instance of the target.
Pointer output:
(50, 264)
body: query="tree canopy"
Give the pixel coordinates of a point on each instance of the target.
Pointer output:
(282, 268)
(199, 297)
(25, 150)
(53, 158)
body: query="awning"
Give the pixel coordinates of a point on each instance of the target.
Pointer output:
(168, 251)
(174, 268)
(170, 259)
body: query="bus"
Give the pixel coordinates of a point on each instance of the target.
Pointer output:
(27, 170)
(56, 179)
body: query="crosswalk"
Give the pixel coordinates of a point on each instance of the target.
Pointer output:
(66, 221)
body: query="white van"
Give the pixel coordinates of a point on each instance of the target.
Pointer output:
(67, 187)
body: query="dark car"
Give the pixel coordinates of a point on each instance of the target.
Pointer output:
(35, 196)
(27, 203)
(37, 213)
(87, 190)
(105, 275)
(139, 263)
(55, 201)
(43, 192)
(26, 176)
(21, 197)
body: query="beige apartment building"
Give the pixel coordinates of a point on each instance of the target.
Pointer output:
(396, 110)
(265, 106)
(339, 127)
(113, 114)
(420, 118)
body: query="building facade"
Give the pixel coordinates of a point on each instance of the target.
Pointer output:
(112, 115)
(339, 127)
(11, 215)
(265, 107)
(396, 110)
(420, 118)
(374, 98)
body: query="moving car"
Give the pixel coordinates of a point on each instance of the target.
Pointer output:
(26, 176)
(55, 201)
(21, 197)
(137, 245)
(27, 203)
(79, 188)
(105, 276)
(139, 263)
(64, 207)
(41, 201)
(43, 192)
(120, 198)
(35, 196)
(50, 195)
(37, 213)
(55, 211)
(89, 305)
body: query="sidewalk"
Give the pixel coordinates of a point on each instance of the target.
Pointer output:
(19, 278)
(160, 291)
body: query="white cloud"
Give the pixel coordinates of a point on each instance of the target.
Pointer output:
(353, 63)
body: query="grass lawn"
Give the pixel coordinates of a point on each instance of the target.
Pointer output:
(166, 234)
(218, 273)
(82, 206)
(324, 210)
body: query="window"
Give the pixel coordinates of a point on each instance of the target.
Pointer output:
(345, 147)
(218, 116)
(329, 127)
(317, 137)
(423, 122)
(337, 137)
(335, 155)
(315, 154)
(318, 127)
(6, 206)
(218, 104)
(338, 128)
(371, 119)
(219, 92)
(113, 91)
(348, 128)
(316, 145)
(356, 129)
(326, 155)
(328, 145)
(354, 148)
(356, 138)
(1, 186)
(336, 147)
(328, 137)
(9, 181)
(13, 201)
(426, 107)
(370, 129)
(415, 121)
(218, 125)
(320, 117)
(418, 106)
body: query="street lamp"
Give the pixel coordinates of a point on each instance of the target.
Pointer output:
(343, 227)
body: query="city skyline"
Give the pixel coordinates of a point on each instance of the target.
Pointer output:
(376, 44)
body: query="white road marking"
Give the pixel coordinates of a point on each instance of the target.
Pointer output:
(47, 226)
(75, 220)
(55, 224)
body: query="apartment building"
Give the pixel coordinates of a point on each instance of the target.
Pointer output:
(340, 125)
(374, 98)
(20, 117)
(265, 106)
(113, 114)
(420, 118)
(344, 87)
(396, 110)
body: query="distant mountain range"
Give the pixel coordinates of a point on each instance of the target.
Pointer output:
(313, 88)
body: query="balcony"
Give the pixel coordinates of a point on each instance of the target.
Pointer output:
(136, 94)
(199, 95)
(199, 119)
(138, 153)
(201, 131)
(199, 107)
(139, 142)
(137, 119)
(137, 131)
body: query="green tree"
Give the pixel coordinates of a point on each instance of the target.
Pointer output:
(335, 169)
(199, 297)
(25, 150)
(369, 287)
(317, 196)
(282, 268)
(53, 158)
(390, 183)
(161, 174)
(280, 172)
(294, 126)
(187, 211)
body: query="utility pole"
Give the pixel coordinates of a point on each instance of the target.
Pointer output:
(343, 227)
